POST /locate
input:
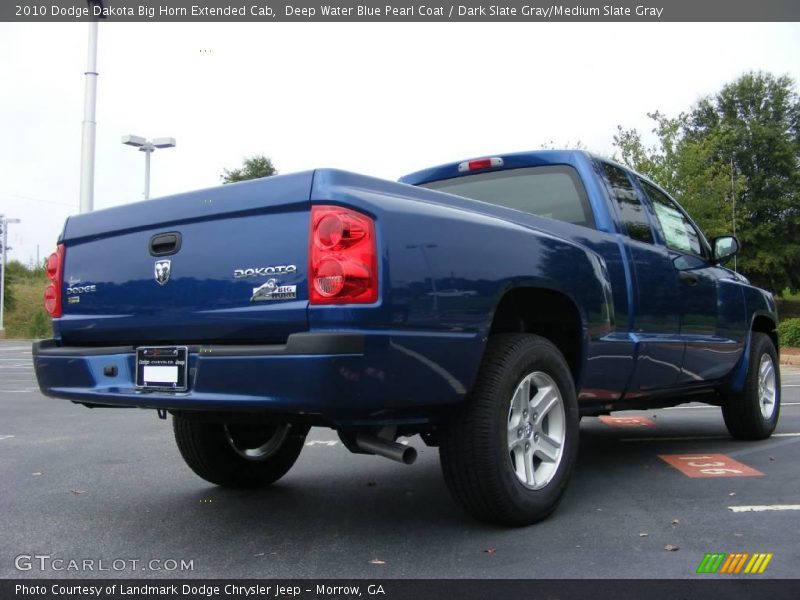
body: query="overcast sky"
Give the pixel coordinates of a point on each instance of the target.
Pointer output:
(379, 99)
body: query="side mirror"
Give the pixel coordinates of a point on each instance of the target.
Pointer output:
(724, 248)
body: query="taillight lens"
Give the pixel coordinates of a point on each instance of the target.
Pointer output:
(343, 257)
(55, 273)
(480, 164)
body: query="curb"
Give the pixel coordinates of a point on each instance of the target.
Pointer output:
(790, 357)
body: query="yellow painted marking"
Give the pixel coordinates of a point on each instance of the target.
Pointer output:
(765, 563)
(751, 564)
(760, 560)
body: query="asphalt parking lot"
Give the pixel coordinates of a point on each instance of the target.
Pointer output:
(109, 485)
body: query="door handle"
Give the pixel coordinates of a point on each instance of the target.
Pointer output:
(164, 244)
(687, 278)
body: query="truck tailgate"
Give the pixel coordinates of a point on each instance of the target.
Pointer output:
(227, 264)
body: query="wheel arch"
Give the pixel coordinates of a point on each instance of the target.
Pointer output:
(765, 324)
(549, 313)
(759, 323)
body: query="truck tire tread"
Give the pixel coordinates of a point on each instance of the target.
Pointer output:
(741, 410)
(470, 465)
(206, 451)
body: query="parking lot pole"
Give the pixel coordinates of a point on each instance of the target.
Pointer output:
(89, 124)
(2, 270)
(4, 222)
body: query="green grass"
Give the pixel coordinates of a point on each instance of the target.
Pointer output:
(27, 319)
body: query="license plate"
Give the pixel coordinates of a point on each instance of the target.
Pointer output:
(162, 368)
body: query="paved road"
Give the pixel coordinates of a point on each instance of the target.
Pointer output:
(110, 485)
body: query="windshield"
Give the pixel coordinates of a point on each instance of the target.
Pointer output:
(555, 192)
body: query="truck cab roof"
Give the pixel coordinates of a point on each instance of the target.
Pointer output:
(493, 163)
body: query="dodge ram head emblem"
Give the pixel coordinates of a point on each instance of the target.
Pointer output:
(162, 271)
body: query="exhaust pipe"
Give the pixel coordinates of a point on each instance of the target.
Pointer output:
(386, 448)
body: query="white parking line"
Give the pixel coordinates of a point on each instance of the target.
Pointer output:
(763, 507)
(6, 437)
(709, 406)
(699, 437)
(677, 439)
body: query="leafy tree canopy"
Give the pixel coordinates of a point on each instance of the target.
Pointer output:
(742, 143)
(253, 167)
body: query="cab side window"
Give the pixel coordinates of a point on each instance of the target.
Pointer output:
(678, 231)
(630, 208)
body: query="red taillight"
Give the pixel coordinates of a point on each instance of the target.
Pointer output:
(52, 266)
(343, 257)
(480, 164)
(55, 273)
(474, 165)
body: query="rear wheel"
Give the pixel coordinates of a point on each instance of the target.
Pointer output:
(752, 414)
(507, 456)
(238, 455)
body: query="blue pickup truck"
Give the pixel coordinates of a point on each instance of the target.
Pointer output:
(486, 305)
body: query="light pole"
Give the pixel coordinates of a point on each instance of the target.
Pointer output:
(148, 147)
(733, 210)
(4, 222)
(89, 124)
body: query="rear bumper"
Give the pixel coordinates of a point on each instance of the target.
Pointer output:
(336, 376)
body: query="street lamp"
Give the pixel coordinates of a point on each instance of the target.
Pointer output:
(733, 211)
(89, 124)
(148, 147)
(4, 222)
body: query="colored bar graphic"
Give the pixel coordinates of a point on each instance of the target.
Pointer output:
(758, 564)
(741, 562)
(726, 567)
(733, 563)
(711, 562)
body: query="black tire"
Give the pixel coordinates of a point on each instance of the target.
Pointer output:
(218, 452)
(474, 453)
(743, 411)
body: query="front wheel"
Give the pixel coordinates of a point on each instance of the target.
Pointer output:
(238, 455)
(507, 456)
(752, 414)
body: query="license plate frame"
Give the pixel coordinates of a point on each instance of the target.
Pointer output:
(162, 368)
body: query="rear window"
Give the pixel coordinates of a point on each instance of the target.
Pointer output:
(555, 192)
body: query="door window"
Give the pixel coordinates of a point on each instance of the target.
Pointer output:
(678, 231)
(631, 211)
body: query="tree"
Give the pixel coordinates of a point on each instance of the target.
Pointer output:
(9, 297)
(742, 143)
(253, 168)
